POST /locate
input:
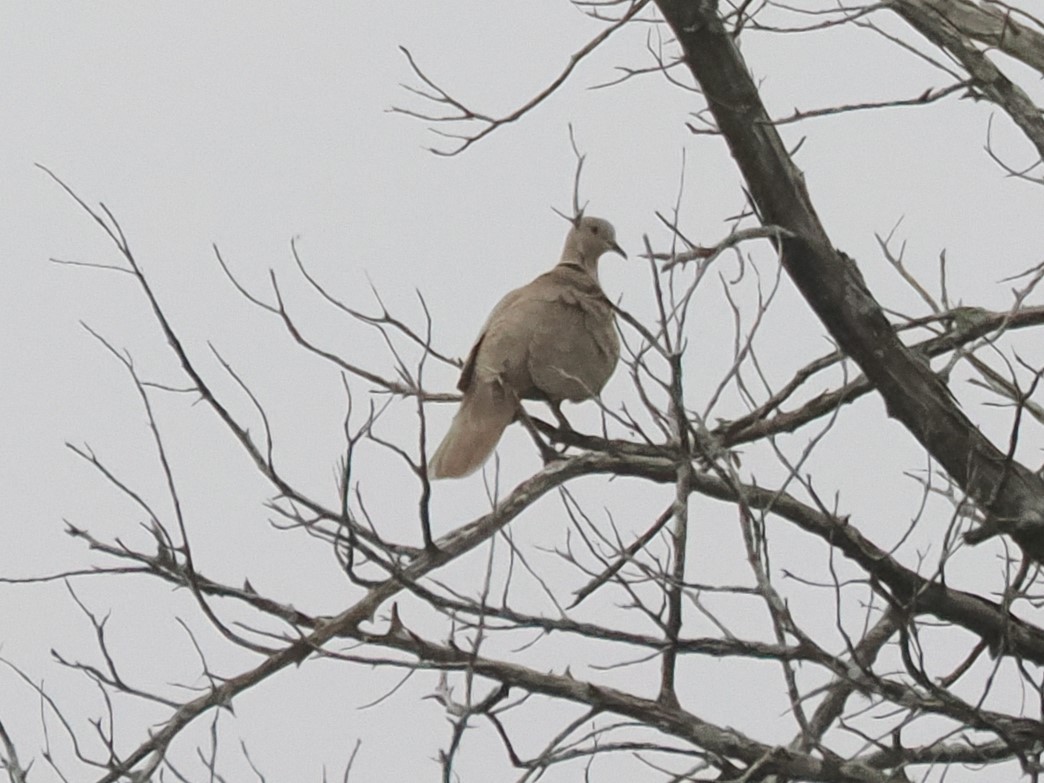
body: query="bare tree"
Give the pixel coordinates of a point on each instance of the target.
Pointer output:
(596, 641)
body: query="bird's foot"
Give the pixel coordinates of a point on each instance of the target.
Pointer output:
(547, 452)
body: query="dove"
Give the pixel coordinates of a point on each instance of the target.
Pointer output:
(553, 339)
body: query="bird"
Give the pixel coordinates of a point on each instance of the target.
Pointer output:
(553, 339)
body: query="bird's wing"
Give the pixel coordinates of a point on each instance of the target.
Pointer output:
(467, 372)
(551, 338)
(574, 349)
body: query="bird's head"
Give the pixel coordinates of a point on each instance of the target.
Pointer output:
(589, 238)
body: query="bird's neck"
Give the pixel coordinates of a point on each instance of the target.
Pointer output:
(576, 260)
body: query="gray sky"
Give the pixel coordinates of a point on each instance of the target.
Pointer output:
(246, 125)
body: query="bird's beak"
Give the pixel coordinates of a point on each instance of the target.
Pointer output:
(615, 248)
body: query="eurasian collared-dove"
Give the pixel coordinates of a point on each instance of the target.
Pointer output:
(553, 340)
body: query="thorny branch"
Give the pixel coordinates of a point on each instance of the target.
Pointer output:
(407, 571)
(458, 112)
(855, 690)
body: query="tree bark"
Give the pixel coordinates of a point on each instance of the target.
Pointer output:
(1010, 494)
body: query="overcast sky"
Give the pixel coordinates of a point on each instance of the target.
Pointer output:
(247, 125)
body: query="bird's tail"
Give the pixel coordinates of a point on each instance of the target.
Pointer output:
(487, 408)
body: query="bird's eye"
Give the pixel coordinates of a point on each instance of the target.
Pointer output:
(594, 229)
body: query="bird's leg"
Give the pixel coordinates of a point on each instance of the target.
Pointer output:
(547, 452)
(556, 409)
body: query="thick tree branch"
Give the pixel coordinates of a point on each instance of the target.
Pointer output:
(834, 289)
(987, 24)
(932, 19)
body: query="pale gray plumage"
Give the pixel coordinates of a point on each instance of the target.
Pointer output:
(553, 339)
